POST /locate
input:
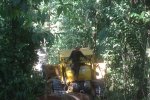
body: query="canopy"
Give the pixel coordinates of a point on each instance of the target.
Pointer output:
(85, 51)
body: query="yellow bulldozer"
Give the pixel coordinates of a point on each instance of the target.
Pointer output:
(87, 81)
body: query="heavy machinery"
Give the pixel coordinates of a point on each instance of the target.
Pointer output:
(86, 82)
(61, 78)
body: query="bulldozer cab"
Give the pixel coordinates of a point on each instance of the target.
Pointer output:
(86, 70)
(64, 54)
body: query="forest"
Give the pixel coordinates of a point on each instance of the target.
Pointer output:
(118, 31)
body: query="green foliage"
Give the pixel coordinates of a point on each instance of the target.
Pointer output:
(22, 87)
(115, 29)
(19, 41)
(125, 47)
(121, 32)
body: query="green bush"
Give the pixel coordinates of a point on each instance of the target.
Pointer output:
(22, 87)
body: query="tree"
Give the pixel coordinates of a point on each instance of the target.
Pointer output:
(120, 33)
(19, 40)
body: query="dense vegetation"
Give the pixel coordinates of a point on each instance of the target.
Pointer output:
(117, 31)
(19, 40)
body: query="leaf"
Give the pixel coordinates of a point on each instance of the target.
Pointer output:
(134, 15)
(59, 10)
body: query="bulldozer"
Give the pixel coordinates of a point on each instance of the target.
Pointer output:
(87, 81)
